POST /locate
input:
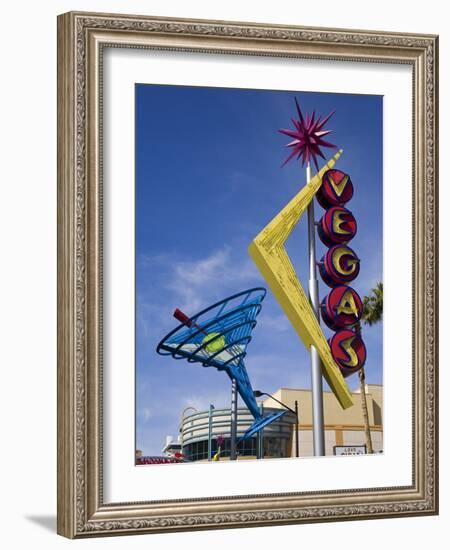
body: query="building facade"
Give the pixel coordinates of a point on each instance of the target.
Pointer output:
(203, 432)
(343, 428)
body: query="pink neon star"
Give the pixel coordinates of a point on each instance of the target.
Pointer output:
(308, 137)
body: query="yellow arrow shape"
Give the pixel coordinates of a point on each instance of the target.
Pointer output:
(269, 254)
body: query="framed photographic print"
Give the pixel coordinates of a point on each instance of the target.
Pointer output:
(247, 283)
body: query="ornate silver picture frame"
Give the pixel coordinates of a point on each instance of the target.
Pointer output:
(82, 41)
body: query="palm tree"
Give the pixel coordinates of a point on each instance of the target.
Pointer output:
(373, 306)
(372, 313)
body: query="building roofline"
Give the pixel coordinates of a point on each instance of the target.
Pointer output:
(309, 389)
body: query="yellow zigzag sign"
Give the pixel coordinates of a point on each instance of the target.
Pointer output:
(269, 254)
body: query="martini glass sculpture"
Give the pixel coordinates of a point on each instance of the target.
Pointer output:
(218, 337)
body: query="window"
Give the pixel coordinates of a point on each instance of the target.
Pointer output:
(275, 447)
(199, 449)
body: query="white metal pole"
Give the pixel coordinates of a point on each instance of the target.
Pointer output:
(233, 430)
(316, 370)
(210, 414)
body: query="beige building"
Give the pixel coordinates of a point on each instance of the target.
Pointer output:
(344, 429)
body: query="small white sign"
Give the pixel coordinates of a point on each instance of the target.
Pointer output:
(345, 450)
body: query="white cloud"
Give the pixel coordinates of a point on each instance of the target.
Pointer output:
(147, 413)
(198, 282)
(202, 400)
(275, 323)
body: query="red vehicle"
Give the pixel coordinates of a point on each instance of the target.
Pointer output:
(176, 459)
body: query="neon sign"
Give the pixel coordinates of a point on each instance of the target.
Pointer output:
(348, 351)
(337, 226)
(339, 265)
(336, 189)
(342, 308)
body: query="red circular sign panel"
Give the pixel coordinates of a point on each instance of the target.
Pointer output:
(337, 226)
(348, 351)
(342, 308)
(336, 189)
(339, 265)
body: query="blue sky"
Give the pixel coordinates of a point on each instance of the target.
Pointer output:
(208, 179)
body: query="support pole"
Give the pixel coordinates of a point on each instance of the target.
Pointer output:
(233, 430)
(297, 453)
(211, 408)
(316, 370)
(261, 435)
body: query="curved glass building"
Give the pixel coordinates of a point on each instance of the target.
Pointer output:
(200, 433)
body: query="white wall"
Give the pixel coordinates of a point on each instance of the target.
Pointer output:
(28, 281)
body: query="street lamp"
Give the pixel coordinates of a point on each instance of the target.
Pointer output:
(258, 393)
